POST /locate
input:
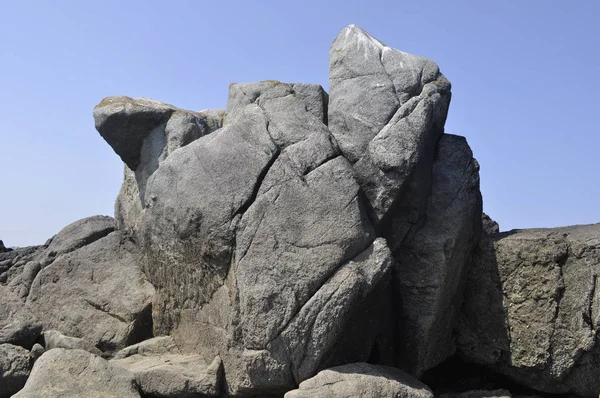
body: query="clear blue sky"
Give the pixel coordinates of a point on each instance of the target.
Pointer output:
(524, 75)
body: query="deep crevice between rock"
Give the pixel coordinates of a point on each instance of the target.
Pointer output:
(456, 375)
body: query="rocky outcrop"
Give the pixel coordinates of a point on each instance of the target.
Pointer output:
(61, 373)
(361, 380)
(143, 132)
(97, 293)
(531, 308)
(301, 243)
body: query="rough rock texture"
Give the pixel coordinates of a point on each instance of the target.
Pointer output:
(154, 346)
(387, 111)
(61, 373)
(361, 380)
(227, 208)
(261, 238)
(97, 293)
(14, 369)
(433, 260)
(55, 339)
(161, 370)
(143, 133)
(295, 232)
(532, 308)
(18, 325)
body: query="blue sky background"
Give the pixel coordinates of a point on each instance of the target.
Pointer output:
(524, 73)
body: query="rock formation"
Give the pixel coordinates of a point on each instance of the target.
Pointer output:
(300, 243)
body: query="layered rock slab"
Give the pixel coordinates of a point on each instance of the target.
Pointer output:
(361, 380)
(531, 308)
(160, 370)
(61, 373)
(97, 293)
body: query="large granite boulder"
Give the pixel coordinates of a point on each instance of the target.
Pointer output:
(97, 293)
(361, 380)
(532, 308)
(61, 373)
(247, 234)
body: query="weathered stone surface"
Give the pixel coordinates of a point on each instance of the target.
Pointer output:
(125, 123)
(532, 308)
(143, 133)
(18, 325)
(79, 234)
(174, 375)
(97, 293)
(14, 369)
(312, 97)
(243, 265)
(387, 110)
(61, 373)
(12, 264)
(490, 227)
(154, 346)
(193, 198)
(432, 262)
(55, 339)
(36, 351)
(361, 380)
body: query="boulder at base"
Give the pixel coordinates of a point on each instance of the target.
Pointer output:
(361, 380)
(61, 373)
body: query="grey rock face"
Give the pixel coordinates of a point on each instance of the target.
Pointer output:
(61, 373)
(268, 186)
(161, 371)
(55, 339)
(14, 369)
(143, 133)
(97, 293)
(361, 380)
(387, 110)
(432, 261)
(490, 227)
(261, 237)
(155, 346)
(18, 325)
(531, 308)
(79, 234)
(125, 123)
